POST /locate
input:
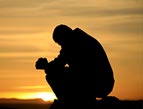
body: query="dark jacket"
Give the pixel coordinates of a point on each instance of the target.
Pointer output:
(89, 68)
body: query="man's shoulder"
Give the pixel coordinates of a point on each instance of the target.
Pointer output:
(78, 30)
(83, 34)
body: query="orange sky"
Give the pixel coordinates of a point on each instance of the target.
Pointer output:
(26, 28)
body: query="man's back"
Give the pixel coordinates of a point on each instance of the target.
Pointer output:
(89, 64)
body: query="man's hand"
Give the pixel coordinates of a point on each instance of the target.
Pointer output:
(41, 63)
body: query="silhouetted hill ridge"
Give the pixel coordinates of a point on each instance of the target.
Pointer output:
(13, 103)
(23, 101)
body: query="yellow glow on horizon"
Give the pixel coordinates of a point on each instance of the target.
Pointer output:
(45, 96)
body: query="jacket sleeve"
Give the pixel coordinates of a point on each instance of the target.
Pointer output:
(58, 63)
(60, 59)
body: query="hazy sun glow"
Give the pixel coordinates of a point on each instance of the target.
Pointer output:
(45, 96)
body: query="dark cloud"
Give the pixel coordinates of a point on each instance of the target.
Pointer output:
(95, 12)
(43, 8)
(40, 13)
(22, 3)
(11, 32)
(13, 49)
(126, 25)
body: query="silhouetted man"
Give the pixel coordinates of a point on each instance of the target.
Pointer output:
(81, 72)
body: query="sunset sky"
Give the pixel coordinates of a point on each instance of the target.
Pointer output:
(26, 28)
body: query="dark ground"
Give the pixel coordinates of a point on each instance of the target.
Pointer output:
(100, 105)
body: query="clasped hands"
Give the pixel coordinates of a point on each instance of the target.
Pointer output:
(41, 63)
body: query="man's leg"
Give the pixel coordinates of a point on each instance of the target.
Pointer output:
(59, 82)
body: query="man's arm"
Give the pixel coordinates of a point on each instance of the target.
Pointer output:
(59, 61)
